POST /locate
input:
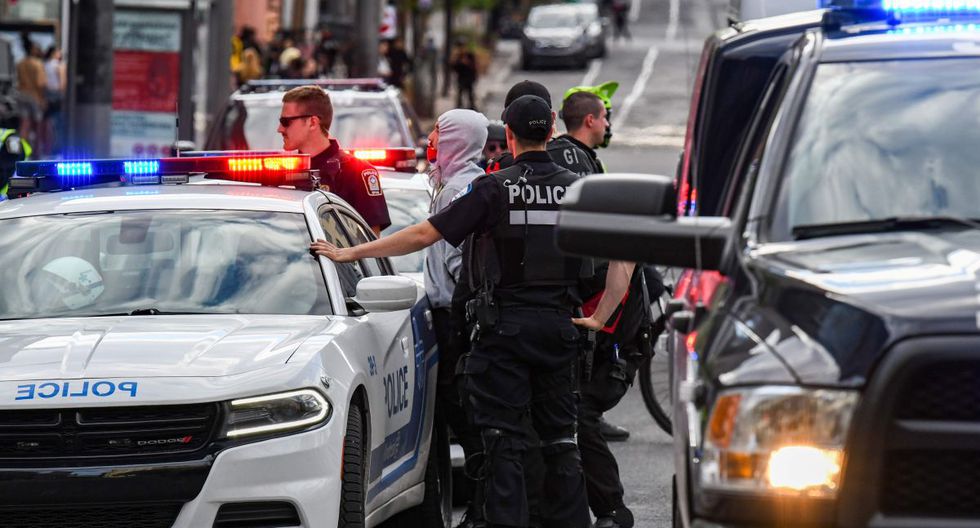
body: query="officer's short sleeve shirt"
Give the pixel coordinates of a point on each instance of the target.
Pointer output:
(354, 180)
(476, 209)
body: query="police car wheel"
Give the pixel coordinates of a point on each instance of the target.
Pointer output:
(353, 484)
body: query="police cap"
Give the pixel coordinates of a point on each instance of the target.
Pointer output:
(529, 117)
(527, 87)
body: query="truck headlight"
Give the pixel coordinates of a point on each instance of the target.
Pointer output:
(274, 413)
(777, 440)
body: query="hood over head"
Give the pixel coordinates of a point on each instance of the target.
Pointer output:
(462, 136)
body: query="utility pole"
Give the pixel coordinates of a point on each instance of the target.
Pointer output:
(447, 53)
(368, 19)
(220, 32)
(90, 78)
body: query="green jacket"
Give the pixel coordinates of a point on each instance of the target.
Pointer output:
(25, 149)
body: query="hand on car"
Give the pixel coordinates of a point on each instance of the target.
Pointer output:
(326, 249)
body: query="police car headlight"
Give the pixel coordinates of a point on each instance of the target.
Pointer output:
(595, 29)
(276, 413)
(777, 440)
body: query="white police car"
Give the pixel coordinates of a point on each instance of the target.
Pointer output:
(172, 355)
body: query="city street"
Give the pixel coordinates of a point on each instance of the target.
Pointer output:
(655, 71)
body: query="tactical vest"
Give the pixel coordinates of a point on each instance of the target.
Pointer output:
(571, 156)
(524, 252)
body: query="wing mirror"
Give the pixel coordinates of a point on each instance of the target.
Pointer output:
(386, 293)
(633, 217)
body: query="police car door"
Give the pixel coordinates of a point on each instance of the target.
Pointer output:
(405, 385)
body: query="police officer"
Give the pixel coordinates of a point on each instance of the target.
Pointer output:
(526, 293)
(13, 148)
(525, 87)
(305, 126)
(585, 119)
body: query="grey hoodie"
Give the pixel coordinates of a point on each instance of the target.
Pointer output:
(462, 136)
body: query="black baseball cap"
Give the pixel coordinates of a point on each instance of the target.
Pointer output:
(527, 87)
(529, 117)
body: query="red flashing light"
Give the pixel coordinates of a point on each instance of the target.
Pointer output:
(401, 158)
(267, 163)
(690, 340)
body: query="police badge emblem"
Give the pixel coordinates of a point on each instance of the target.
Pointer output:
(372, 182)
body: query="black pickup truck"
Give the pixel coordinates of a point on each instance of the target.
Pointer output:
(834, 379)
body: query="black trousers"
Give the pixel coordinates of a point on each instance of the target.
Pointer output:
(611, 378)
(466, 89)
(452, 345)
(526, 364)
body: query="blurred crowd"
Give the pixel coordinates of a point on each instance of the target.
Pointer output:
(290, 56)
(34, 107)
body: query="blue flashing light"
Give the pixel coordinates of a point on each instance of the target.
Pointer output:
(74, 169)
(931, 30)
(932, 7)
(141, 167)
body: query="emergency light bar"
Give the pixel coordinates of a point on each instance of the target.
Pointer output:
(272, 169)
(897, 11)
(395, 158)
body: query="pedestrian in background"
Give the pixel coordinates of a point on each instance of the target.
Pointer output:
(246, 60)
(463, 64)
(399, 62)
(32, 83)
(54, 71)
(620, 9)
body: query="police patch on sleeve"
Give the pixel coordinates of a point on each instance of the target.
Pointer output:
(372, 182)
(462, 193)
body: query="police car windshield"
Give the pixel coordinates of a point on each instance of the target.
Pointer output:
(358, 122)
(880, 140)
(171, 261)
(406, 207)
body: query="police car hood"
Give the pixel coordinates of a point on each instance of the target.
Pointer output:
(150, 346)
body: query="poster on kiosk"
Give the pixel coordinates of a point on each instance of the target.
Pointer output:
(146, 82)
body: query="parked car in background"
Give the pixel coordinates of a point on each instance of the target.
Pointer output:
(561, 34)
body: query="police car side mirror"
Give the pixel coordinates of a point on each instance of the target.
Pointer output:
(633, 217)
(387, 293)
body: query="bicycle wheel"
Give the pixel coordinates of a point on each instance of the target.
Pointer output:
(656, 373)
(655, 387)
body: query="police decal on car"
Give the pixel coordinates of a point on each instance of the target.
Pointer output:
(75, 389)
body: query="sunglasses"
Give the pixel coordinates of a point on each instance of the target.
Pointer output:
(286, 121)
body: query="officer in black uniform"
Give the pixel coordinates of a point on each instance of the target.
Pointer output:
(525, 87)
(523, 358)
(304, 124)
(585, 119)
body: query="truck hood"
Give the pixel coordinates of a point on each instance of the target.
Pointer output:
(832, 307)
(150, 346)
(911, 276)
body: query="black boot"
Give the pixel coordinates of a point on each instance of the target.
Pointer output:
(612, 433)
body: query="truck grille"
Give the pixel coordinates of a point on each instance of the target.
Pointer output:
(114, 516)
(931, 462)
(105, 432)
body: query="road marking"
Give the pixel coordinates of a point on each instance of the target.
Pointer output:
(638, 86)
(593, 72)
(651, 136)
(675, 19)
(635, 10)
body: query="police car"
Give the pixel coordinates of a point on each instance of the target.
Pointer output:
(368, 114)
(832, 380)
(172, 355)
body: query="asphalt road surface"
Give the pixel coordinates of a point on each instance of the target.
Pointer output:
(656, 71)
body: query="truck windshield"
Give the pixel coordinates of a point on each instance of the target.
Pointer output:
(150, 262)
(882, 140)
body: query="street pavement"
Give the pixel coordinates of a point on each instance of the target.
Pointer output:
(656, 71)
